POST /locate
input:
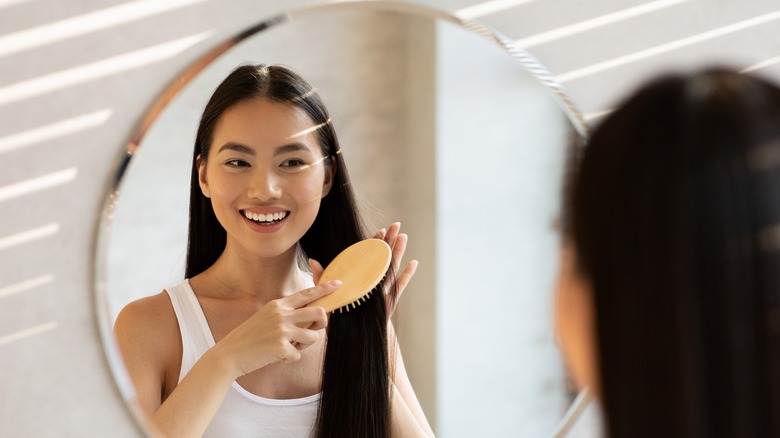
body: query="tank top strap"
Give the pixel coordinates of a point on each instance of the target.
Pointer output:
(196, 337)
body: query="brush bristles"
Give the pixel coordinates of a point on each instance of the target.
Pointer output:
(354, 304)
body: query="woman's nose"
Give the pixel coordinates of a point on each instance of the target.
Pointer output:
(265, 186)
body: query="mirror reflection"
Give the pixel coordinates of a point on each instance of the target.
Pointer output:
(440, 130)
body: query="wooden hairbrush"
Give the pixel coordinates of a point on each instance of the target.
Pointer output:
(360, 268)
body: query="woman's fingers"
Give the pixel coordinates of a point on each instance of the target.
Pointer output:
(319, 324)
(306, 322)
(306, 296)
(303, 338)
(406, 276)
(316, 270)
(309, 320)
(398, 242)
(398, 250)
(401, 282)
(310, 317)
(392, 233)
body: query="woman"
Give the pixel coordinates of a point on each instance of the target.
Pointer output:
(668, 303)
(233, 351)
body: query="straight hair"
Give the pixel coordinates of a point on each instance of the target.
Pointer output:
(674, 215)
(355, 400)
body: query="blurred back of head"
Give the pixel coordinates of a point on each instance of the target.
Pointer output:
(674, 213)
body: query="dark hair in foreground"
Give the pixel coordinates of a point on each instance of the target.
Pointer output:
(674, 212)
(355, 398)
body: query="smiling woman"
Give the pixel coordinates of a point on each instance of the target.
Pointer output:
(265, 368)
(442, 128)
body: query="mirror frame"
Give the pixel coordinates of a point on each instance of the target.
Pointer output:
(113, 358)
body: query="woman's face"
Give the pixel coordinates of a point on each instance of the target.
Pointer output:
(265, 175)
(575, 322)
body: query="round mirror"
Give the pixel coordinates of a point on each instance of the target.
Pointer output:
(445, 128)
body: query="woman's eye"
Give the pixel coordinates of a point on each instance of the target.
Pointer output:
(293, 162)
(237, 163)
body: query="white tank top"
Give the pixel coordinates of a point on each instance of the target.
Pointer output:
(242, 414)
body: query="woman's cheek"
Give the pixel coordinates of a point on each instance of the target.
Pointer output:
(312, 188)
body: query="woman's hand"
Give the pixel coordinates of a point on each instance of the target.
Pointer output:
(398, 243)
(277, 332)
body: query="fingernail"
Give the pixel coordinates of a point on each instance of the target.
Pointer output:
(335, 283)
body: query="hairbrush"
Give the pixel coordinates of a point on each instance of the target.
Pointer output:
(360, 267)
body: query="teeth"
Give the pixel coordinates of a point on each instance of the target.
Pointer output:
(260, 217)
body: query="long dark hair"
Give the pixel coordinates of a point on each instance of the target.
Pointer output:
(674, 212)
(355, 398)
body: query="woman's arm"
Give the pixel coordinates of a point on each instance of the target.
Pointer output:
(407, 415)
(148, 337)
(150, 343)
(191, 406)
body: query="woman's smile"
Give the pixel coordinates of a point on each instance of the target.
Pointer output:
(265, 221)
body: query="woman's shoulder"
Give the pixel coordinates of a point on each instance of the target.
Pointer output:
(148, 324)
(148, 311)
(147, 333)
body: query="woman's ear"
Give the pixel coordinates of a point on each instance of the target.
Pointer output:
(330, 174)
(204, 184)
(575, 324)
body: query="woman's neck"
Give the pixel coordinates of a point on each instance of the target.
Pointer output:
(239, 275)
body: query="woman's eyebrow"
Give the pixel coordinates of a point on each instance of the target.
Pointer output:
(237, 147)
(292, 147)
